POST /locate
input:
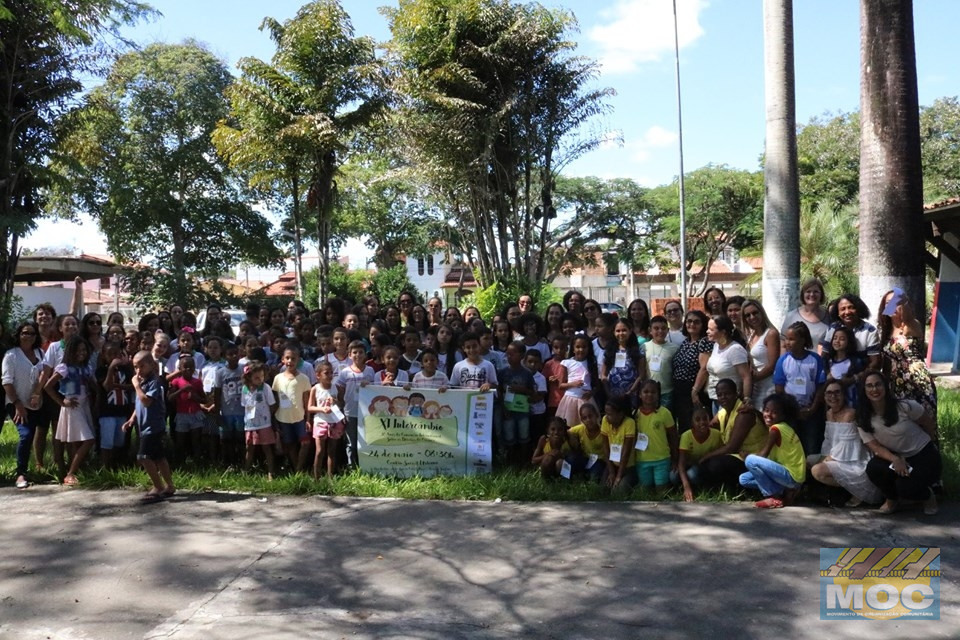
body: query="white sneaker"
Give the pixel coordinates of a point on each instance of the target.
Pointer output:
(22, 483)
(930, 507)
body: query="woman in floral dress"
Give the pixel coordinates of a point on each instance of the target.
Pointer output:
(901, 336)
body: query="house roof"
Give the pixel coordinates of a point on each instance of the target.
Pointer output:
(453, 277)
(65, 268)
(285, 285)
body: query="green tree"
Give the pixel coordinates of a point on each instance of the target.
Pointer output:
(138, 156)
(828, 247)
(493, 104)
(940, 148)
(382, 200)
(614, 216)
(892, 241)
(45, 45)
(724, 208)
(828, 150)
(293, 119)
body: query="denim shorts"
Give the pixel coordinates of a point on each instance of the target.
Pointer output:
(515, 427)
(231, 427)
(291, 432)
(111, 432)
(187, 422)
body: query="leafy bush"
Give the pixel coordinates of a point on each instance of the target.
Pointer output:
(490, 300)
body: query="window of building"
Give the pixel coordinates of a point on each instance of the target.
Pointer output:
(420, 266)
(430, 265)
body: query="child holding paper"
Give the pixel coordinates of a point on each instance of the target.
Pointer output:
(328, 424)
(587, 443)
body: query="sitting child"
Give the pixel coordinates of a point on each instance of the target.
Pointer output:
(779, 468)
(696, 442)
(552, 449)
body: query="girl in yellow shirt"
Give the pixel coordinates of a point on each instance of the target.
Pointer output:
(619, 437)
(552, 449)
(657, 439)
(779, 468)
(587, 443)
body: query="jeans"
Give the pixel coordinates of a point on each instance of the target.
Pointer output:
(26, 432)
(693, 475)
(770, 477)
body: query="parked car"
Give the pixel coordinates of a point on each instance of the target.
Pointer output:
(612, 307)
(236, 317)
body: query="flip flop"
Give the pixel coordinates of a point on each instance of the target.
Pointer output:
(168, 493)
(71, 481)
(22, 484)
(769, 503)
(150, 498)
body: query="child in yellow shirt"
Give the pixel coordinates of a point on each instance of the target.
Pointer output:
(656, 439)
(780, 467)
(586, 442)
(552, 448)
(696, 442)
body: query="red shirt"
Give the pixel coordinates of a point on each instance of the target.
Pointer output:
(553, 368)
(185, 400)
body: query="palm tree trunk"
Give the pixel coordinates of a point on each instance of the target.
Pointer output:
(781, 206)
(891, 177)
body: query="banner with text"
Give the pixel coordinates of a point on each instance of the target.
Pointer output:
(424, 432)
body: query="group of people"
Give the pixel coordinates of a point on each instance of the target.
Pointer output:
(693, 399)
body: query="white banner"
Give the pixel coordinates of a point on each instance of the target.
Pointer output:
(425, 432)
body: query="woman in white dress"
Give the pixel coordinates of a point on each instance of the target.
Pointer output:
(842, 461)
(763, 343)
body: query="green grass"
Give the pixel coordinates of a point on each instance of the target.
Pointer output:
(506, 485)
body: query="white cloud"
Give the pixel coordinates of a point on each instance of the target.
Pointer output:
(640, 31)
(656, 137)
(84, 235)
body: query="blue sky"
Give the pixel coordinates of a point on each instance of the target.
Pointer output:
(721, 70)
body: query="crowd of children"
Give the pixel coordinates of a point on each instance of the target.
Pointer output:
(579, 392)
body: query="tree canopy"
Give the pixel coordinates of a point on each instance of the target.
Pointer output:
(139, 158)
(44, 47)
(493, 104)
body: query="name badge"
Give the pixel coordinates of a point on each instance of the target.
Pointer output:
(620, 362)
(285, 401)
(615, 450)
(642, 442)
(655, 363)
(250, 411)
(592, 460)
(565, 470)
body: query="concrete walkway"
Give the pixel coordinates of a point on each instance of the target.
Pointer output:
(82, 564)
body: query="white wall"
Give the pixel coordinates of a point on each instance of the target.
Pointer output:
(428, 283)
(32, 296)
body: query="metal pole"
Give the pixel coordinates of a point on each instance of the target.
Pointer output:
(683, 217)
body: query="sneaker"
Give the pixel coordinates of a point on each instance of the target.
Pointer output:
(930, 507)
(22, 483)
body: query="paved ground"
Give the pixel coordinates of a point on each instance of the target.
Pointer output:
(79, 564)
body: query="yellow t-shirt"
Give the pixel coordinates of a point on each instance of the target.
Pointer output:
(696, 449)
(290, 396)
(654, 426)
(756, 437)
(617, 436)
(789, 452)
(589, 446)
(547, 448)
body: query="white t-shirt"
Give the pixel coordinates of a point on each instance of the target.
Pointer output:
(467, 375)
(905, 437)
(350, 380)
(723, 364)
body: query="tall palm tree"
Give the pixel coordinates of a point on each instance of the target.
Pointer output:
(891, 178)
(781, 205)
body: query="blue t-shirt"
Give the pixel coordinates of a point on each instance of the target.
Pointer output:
(152, 419)
(800, 377)
(519, 377)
